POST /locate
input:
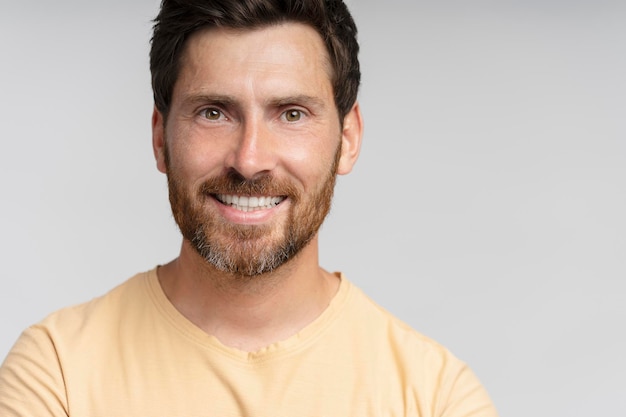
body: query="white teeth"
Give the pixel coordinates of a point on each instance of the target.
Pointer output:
(245, 203)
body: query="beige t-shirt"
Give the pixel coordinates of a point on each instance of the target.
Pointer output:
(130, 353)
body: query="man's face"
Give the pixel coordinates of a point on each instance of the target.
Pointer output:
(252, 145)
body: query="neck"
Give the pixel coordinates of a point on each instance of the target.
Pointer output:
(249, 313)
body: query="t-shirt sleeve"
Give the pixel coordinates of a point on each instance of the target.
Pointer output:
(464, 395)
(31, 380)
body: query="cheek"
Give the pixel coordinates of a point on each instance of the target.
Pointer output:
(193, 160)
(195, 167)
(311, 164)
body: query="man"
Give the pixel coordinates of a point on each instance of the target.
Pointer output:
(255, 115)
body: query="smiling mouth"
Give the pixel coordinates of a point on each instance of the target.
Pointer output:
(249, 203)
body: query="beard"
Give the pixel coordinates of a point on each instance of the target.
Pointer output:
(249, 250)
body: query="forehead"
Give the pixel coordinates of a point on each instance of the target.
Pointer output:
(223, 55)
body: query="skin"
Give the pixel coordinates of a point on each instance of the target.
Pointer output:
(233, 110)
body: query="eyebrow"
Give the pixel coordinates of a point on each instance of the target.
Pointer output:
(227, 100)
(300, 99)
(209, 99)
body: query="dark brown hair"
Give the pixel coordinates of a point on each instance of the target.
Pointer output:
(178, 19)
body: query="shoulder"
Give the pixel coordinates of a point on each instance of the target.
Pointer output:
(421, 363)
(376, 319)
(91, 320)
(108, 305)
(33, 375)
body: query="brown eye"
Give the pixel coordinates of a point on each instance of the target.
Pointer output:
(293, 115)
(212, 114)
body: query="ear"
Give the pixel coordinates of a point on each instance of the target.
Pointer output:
(351, 137)
(158, 140)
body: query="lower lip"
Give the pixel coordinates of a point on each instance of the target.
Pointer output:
(233, 215)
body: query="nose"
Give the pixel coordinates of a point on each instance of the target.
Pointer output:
(253, 153)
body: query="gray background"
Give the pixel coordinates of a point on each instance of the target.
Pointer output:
(487, 209)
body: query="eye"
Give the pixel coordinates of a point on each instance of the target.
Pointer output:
(293, 115)
(211, 113)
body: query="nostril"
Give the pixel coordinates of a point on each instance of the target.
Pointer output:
(236, 177)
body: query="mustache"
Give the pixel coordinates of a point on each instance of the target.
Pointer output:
(234, 183)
